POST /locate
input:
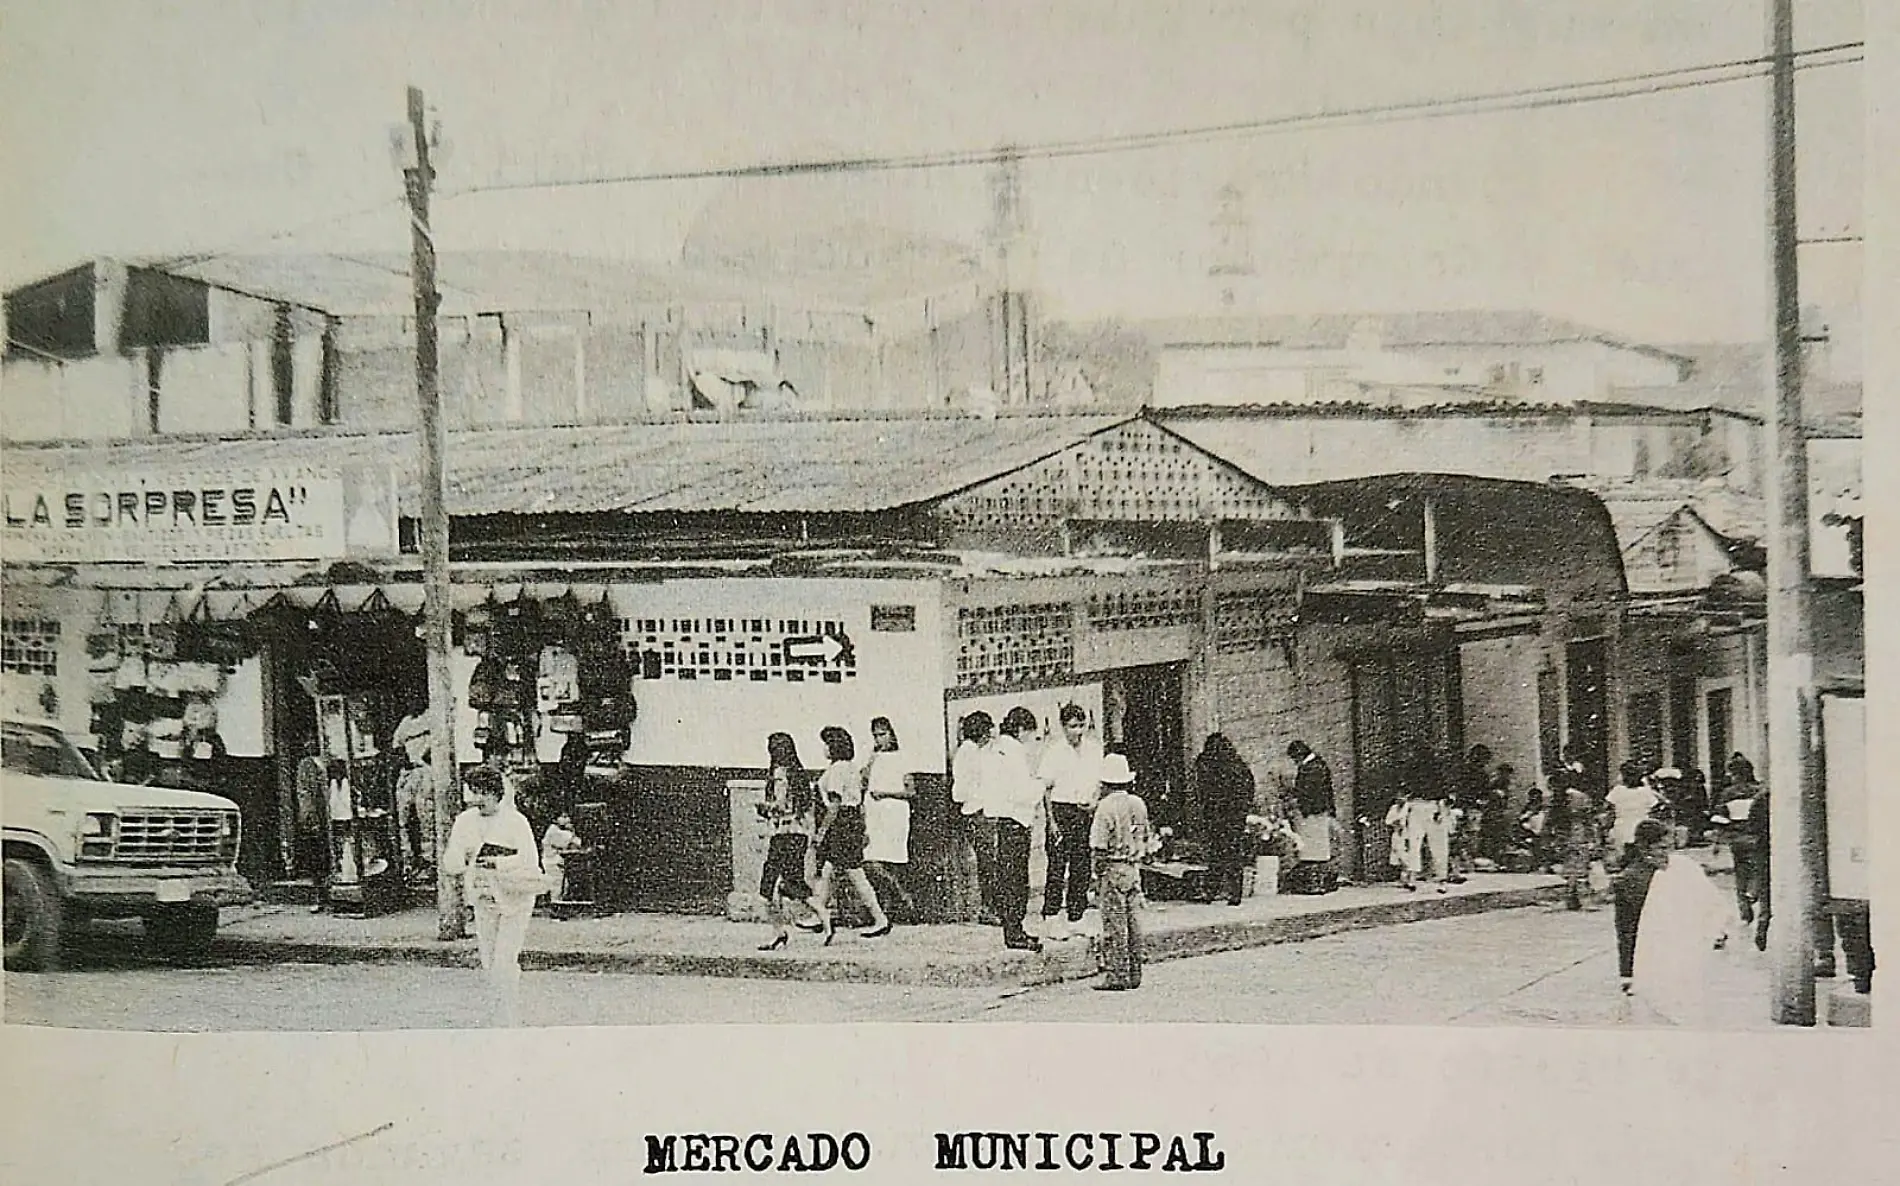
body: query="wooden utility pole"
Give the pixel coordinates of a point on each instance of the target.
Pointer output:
(418, 178)
(1796, 796)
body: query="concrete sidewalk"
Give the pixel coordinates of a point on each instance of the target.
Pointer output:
(943, 955)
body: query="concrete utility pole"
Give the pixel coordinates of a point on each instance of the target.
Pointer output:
(418, 177)
(1796, 796)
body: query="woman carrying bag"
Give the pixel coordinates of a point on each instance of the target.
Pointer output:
(492, 848)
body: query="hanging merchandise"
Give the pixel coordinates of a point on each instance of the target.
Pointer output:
(362, 728)
(547, 741)
(333, 732)
(342, 799)
(197, 678)
(558, 681)
(161, 642)
(200, 715)
(132, 673)
(166, 738)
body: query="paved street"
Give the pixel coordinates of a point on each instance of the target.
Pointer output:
(1519, 967)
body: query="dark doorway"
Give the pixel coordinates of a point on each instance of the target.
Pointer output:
(1149, 733)
(1721, 704)
(1549, 721)
(1646, 729)
(1588, 724)
(1683, 735)
(1404, 705)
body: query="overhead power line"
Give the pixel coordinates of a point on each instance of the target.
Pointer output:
(1485, 103)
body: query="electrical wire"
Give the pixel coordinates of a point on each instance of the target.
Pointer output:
(1487, 103)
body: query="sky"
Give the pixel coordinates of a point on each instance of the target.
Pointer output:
(149, 127)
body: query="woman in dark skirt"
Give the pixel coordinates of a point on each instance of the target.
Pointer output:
(841, 836)
(788, 809)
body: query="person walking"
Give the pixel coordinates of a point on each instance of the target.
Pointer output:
(1684, 923)
(1226, 789)
(841, 837)
(491, 848)
(1572, 825)
(1119, 841)
(1315, 820)
(1427, 821)
(1631, 801)
(787, 810)
(1745, 810)
(887, 795)
(1630, 888)
(1470, 798)
(1014, 799)
(969, 792)
(1071, 774)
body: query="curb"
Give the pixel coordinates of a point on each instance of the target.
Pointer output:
(1005, 970)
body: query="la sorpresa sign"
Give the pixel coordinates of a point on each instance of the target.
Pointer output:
(267, 514)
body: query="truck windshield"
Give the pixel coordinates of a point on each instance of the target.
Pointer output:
(35, 749)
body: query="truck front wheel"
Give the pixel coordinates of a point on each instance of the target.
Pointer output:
(185, 930)
(33, 916)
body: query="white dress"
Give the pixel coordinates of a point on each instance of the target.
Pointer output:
(886, 819)
(1683, 917)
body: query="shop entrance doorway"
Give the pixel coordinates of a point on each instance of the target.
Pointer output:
(341, 683)
(1143, 710)
(1588, 702)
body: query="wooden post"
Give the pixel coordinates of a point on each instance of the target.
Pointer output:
(1796, 795)
(418, 177)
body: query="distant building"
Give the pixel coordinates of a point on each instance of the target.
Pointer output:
(1487, 355)
(119, 349)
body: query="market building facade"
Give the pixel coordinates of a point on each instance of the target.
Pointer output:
(638, 605)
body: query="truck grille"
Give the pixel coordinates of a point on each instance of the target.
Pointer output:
(170, 837)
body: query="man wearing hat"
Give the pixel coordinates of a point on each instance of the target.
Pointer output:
(1119, 840)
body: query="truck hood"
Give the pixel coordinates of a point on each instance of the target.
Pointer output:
(84, 794)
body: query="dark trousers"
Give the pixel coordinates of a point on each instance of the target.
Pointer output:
(1012, 876)
(1068, 881)
(1855, 926)
(979, 832)
(1228, 857)
(1626, 903)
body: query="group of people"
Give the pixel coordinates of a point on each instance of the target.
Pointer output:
(1446, 817)
(1098, 832)
(849, 823)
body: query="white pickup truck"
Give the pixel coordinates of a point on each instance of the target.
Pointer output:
(80, 847)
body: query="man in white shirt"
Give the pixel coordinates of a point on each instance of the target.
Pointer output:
(1070, 772)
(969, 779)
(1012, 799)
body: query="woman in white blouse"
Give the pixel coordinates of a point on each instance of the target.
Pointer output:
(841, 837)
(887, 796)
(491, 847)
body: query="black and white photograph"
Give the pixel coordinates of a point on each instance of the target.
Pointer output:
(963, 515)
(845, 523)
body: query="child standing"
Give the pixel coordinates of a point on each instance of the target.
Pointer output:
(559, 840)
(1119, 840)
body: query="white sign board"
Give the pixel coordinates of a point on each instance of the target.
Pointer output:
(1844, 732)
(721, 663)
(263, 513)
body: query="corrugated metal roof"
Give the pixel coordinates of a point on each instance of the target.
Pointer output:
(1332, 331)
(371, 284)
(758, 466)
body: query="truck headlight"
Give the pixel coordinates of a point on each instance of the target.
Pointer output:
(98, 834)
(228, 836)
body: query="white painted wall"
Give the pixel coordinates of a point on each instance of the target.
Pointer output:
(702, 722)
